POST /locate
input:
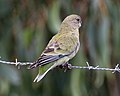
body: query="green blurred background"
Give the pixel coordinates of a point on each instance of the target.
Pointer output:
(26, 26)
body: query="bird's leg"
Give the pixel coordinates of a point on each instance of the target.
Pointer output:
(66, 66)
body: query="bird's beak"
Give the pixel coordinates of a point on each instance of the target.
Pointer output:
(80, 24)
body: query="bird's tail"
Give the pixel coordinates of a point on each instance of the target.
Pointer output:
(41, 76)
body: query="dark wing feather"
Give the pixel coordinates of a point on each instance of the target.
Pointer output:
(46, 57)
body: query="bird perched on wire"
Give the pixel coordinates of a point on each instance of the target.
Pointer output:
(62, 47)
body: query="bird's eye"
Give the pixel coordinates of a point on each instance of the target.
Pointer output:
(78, 19)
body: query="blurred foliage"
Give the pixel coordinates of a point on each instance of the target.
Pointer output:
(26, 26)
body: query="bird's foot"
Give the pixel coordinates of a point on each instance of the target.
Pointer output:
(66, 66)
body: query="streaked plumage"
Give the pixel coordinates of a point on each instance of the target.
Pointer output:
(62, 47)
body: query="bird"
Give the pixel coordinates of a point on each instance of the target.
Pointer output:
(62, 47)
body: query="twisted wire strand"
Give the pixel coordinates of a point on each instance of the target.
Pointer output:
(116, 69)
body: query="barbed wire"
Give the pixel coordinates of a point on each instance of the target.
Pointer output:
(18, 64)
(116, 69)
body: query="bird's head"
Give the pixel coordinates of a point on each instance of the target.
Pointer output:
(73, 21)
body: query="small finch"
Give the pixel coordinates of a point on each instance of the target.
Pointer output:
(62, 47)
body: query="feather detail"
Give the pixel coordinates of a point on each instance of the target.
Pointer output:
(44, 59)
(49, 55)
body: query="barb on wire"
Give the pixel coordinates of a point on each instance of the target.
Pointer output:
(16, 63)
(116, 69)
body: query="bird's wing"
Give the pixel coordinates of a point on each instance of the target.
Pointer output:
(48, 55)
(54, 51)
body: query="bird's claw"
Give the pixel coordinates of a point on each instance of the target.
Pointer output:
(66, 66)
